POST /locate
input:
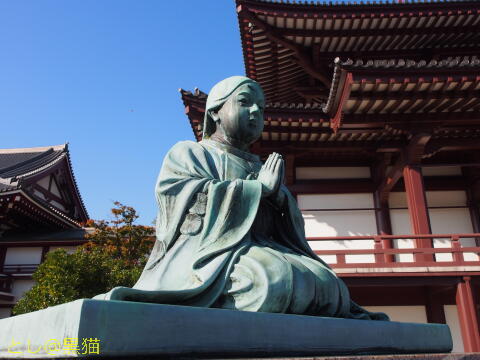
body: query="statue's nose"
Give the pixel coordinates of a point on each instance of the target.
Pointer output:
(254, 109)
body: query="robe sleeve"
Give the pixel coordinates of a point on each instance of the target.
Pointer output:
(293, 228)
(189, 168)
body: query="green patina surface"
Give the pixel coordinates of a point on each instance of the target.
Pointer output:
(132, 330)
(229, 233)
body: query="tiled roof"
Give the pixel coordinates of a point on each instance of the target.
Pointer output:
(17, 164)
(291, 45)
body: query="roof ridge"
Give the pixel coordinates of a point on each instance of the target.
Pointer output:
(33, 149)
(28, 161)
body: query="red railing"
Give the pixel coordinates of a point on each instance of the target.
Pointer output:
(384, 253)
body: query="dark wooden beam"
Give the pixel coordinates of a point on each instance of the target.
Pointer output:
(419, 95)
(382, 212)
(3, 254)
(290, 169)
(377, 32)
(434, 306)
(443, 119)
(412, 153)
(309, 92)
(297, 129)
(45, 250)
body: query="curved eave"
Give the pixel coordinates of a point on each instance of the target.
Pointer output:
(310, 8)
(47, 167)
(78, 197)
(381, 87)
(48, 210)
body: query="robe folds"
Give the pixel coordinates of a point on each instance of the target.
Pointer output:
(221, 244)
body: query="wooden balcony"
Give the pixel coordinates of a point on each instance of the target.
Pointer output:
(19, 269)
(385, 262)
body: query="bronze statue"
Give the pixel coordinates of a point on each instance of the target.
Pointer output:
(229, 233)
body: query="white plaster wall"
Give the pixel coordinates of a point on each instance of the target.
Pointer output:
(451, 316)
(23, 255)
(339, 223)
(311, 173)
(412, 314)
(446, 198)
(5, 312)
(20, 287)
(443, 221)
(450, 221)
(68, 249)
(334, 201)
(400, 224)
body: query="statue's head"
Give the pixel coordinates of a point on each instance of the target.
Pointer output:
(235, 108)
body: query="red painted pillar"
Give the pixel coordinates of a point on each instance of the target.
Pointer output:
(467, 315)
(417, 208)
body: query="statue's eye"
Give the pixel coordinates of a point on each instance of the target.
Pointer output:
(243, 101)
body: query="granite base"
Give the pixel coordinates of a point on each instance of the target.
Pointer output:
(134, 330)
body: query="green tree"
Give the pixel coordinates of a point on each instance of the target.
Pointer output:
(114, 256)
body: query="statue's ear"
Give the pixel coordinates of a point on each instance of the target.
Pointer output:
(214, 115)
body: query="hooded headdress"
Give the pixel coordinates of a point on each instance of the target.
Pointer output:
(217, 97)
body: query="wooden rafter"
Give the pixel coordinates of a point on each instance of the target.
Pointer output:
(377, 32)
(302, 57)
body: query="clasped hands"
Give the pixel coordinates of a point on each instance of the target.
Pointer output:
(271, 176)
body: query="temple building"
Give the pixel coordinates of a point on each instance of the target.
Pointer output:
(376, 109)
(40, 210)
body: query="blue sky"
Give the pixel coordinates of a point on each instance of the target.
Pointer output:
(104, 76)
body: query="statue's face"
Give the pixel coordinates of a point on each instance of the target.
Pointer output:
(241, 116)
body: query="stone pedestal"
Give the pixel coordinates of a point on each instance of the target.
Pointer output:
(127, 329)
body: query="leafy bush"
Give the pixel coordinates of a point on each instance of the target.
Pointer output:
(114, 256)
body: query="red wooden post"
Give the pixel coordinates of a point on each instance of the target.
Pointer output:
(417, 208)
(457, 248)
(467, 315)
(379, 258)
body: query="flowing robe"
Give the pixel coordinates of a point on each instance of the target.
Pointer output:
(220, 244)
